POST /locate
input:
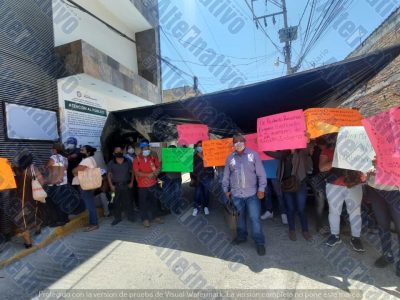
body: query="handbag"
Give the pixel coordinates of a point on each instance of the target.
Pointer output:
(38, 193)
(56, 173)
(90, 179)
(291, 184)
(231, 216)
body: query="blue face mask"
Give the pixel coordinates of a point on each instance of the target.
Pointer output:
(146, 152)
(199, 149)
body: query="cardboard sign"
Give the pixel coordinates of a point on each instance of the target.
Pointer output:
(321, 121)
(395, 123)
(215, 152)
(282, 131)
(379, 131)
(189, 134)
(251, 143)
(7, 180)
(177, 159)
(353, 150)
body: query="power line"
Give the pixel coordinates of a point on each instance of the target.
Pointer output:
(262, 28)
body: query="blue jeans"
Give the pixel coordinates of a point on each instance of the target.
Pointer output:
(249, 207)
(297, 202)
(202, 193)
(172, 193)
(88, 198)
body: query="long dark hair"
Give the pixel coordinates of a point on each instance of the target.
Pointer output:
(90, 150)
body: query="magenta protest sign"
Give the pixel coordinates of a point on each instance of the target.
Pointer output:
(282, 131)
(189, 134)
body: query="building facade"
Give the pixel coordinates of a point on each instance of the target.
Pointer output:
(64, 65)
(383, 91)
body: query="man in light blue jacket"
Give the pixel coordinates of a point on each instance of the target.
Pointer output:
(244, 182)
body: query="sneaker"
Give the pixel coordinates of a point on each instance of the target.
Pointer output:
(236, 241)
(261, 250)
(292, 235)
(357, 244)
(333, 240)
(91, 228)
(115, 222)
(384, 261)
(159, 221)
(195, 212)
(146, 223)
(284, 219)
(267, 215)
(206, 211)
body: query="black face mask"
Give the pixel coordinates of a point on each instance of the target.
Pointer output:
(118, 155)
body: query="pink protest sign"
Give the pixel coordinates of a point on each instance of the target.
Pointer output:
(379, 131)
(395, 122)
(189, 134)
(282, 131)
(251, 143)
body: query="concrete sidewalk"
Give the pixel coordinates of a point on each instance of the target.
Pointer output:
(195, 252)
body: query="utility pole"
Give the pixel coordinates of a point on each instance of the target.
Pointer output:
(288, 49)
(286, 35)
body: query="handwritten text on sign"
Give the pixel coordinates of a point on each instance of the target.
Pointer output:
(215, 152)
(7, 180)
(177, 159)
(395, 123)
(353, 150)
(282, 131)
(252, 143)
(322, 121)
(189, 134)
(379, 131)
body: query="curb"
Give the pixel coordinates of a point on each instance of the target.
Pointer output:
(73, 225)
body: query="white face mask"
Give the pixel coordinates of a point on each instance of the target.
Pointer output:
(239, 146)
(131, 151)
(69, 146)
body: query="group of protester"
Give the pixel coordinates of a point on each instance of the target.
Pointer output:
(131, 183)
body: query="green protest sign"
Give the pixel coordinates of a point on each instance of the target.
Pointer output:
(177, 159)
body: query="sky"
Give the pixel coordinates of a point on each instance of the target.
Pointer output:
(217, 40)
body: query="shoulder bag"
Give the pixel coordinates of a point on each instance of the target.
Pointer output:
(291, 184)
(38, 193)
(56, 172)
(90, 178)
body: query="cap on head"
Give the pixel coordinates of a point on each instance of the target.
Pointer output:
(72, 140)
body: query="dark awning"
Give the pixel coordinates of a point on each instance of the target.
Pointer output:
(237, 109)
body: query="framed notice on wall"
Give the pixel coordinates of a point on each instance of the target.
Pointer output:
(30, 123)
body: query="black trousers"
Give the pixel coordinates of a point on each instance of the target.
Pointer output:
(148, 203)
(123, 202)
(386, 206)
(59, 202)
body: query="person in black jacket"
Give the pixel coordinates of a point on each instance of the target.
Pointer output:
(202, 178)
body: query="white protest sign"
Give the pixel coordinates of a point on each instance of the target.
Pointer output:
(353, 150)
